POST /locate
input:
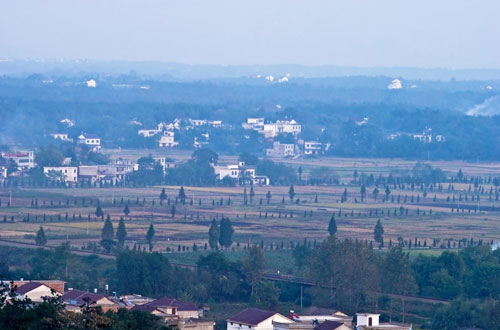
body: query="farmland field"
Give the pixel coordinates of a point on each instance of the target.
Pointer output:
(69, 213)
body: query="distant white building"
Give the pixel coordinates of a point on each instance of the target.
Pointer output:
(167, 140)
(369, 321)
(104, 173)
(61, 136)
(255, 319)
(281, 150)
(63, 173)
(205, 122)
(271, 130)
(164, 163)
(254, 123)
(23, 159)
(242, 172)
(68, 122)
(3, 172)
(395, 84)
(313, 148)
(91, 140)
(91, 83)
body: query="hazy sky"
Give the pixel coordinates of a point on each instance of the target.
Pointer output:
(423, 33)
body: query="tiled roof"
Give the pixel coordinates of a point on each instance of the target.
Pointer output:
(76, 297)
(144, 308)
(25, 288)
(328, 325)
(251, 316)
(171, 302)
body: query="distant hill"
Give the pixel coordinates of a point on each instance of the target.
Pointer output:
(177, 71)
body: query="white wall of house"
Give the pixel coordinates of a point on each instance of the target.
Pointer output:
(70, 174)
(264, 325)
(37, 294)
(366, 319)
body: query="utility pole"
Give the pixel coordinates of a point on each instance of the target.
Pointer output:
(301, 294)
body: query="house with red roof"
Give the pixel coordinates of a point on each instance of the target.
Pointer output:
(75, 299)
(256, 319)
(35, 291)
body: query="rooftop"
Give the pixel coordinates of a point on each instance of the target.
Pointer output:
(25, 288)
(252, 316)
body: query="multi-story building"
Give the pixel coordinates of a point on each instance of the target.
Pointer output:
(312, 148)
(61, 136)
(90, 140)
(205, 122)
(281, 150)
(245, 174)
(167, 140)
(23, 159)
(255, 319)
(271, 130)
(62, 173)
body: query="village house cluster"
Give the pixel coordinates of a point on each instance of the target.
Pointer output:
(426, 136)
(166, 131)
(188, 316)
(284, 127)
(111, 173)
(241, 173)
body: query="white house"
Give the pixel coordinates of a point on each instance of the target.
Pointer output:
(167, 140)
(91, 83)
(370, 321)
(91, 140)
(255, 319)
(246, 174)
(273, 129)
(148, 132)
(35, 291)
(314, 147)
(23, 159)
(205, 122)
(254, 123)
(61, 136)
(165, 164)
(281, 150)
(232, 171)
(3, 172)
(66, 173)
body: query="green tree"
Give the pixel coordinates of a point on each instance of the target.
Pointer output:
(213, 234)
(300, 173)
(172, 211)
(107, 235)
(332, 226)
(387, 193)
(252, 194)
(121, 233)
(40, 237)
(362, 192)
(301, 255)
(378, 233)
(126, 211)
(163, 195)
(253, 265)
(49, 156)
(291, 193)
(226, 233)
(397, 276)
(150, 235)
(98, 212)
(375, 193)
(268, 196)
(266, 295)
(182, 195)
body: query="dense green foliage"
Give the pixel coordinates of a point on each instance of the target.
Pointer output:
(327, 108)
